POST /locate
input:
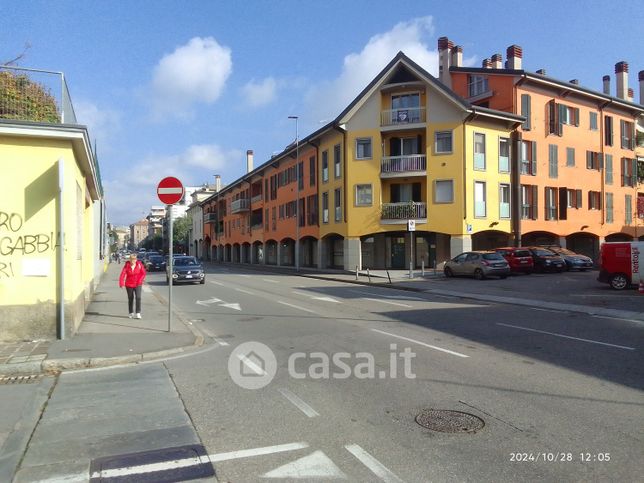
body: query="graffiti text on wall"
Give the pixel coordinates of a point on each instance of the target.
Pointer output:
(14, 243)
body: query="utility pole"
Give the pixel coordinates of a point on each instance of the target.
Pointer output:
(297, 202)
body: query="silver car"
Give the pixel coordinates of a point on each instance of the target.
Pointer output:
(478, 265)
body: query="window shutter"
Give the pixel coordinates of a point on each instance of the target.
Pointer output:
(563, 203)
(634, 172)
(552, 116)
(535, 202)
(562, 113)
(533, 163)
(589, 160)
(600, 160)
(576, 115)
(633, 135)
(578, 196)
(609, 169)
(525, 111)
(553, 156)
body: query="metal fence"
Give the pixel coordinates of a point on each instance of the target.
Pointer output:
(35, 95)
(408, 210)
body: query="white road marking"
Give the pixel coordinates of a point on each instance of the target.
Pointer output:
(317, 465)
(269, 280)
(299, 403)
(567, 336)
(216, 283)
(147, 289)
(245, 453)
(213, 337)
(404, 297)
(248, 292)
(314, 297)
(151, 467)
(251, 365)
(206, 303)
(296, 307)
(421, 343)
(387, 302)
(546, 310)
(233, 306)
(244, 275)
(634, 295)
(376, 467)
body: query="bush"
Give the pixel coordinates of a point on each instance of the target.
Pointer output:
(25, 100)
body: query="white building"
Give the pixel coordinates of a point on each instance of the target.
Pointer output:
(196, 213)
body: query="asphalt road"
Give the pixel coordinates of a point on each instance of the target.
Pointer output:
(560, 394)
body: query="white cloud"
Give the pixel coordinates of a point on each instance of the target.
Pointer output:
(262, 93)
(194, 73)
(329, 98)
(102, 123)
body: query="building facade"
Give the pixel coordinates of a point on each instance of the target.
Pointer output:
(138, 233)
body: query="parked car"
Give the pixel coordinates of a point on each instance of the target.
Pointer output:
(479, 265)
(572, 259)
(546, 260)
(155, 263)
(620, 264)
(519, 259)
(186, 269)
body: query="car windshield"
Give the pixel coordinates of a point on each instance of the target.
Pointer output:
(185, 261)
(563, 251)
(522, 253)
(156, 259)
(492, 256)
(542, 252)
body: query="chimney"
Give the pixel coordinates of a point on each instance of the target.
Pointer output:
(541, 72)
(217, 183)
(514, 54)
(249, 160)
(457, 56)
(497, 61)
(640, 77)
(574, 81)
(486, 64)
(444, 53)
(606, 81)
(631, 95)
(621, 74)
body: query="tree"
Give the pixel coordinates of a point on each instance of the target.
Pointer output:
(181, 228)
(640, 171)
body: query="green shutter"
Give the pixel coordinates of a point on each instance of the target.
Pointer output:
(578, 195)
(628, 209)
(576, 114)
(533, 164)
(562, 114)
(570, 157)
(525, 111)
(552, 161)
(535, 202)
(609, 169)
(589, 160)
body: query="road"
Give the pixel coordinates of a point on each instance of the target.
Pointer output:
(560, 394)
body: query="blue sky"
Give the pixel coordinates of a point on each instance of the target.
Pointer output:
(185, 88)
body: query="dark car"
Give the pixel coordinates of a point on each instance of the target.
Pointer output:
(186, 269)
(546, 260)
(573, 260)
(519, 259)
(155, 263)
(478, 265)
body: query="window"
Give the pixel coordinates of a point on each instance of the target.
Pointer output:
(363, 195)
(608, 168)
(529, 157)
(593, 160)
(363, 148)
(570, 157)
(609, 208)
(504, 155)
(325, 207)
(593, 121)
(525, 111)
(553, 161)
(479, 199)
(274, 218)
(401, 193)
(573, 199)
(551, 203)
(529, 205)
(443, 142)
(337, 204)
(312, 210)
(405, 108)
(628, 209)
(325, 166)
(504, 201)
(629, 172)
(312, 171)
(444, 191)
(337, 160)
(300, 175)
(266, 226)
(479, 151)
(608, 130)
(477, 85)
(594, 200)
(627, 135)
(560, 114)
(266, 190)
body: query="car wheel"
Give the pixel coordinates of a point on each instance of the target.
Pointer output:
(448, 272)
(478, 274)
(619, 281)
(503, 277)
(202, 281)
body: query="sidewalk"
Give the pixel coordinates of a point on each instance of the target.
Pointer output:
(106, 335)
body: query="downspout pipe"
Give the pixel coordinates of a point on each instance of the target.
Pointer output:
(61, 251)
(602, 166)
(317, 180)
(465, 121)
(344, 169)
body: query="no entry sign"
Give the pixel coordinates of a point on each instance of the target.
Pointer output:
(170, 190)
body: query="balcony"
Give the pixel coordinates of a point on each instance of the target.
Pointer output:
(210, 217)
(256, 199)
(399, 213)
(35, 95)
(240, 205)
(407, 165)
(402, 117)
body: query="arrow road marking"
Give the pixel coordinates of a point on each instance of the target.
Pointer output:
(217, 301)
(376, 467)
(317, 465)
(206, 303)
(230, 306)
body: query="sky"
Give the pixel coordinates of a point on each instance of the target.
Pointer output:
(175, 88)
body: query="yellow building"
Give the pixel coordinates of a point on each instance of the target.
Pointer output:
(407, 148)
(50, 186)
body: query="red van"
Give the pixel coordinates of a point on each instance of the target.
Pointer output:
(519, 259)
(621, 264)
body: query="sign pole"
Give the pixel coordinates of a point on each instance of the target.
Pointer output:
(170, 255)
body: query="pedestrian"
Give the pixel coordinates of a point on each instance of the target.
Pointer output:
(132, 277)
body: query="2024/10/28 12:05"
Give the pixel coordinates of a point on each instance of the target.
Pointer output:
(557, 457)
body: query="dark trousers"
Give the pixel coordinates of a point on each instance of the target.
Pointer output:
(131, 292)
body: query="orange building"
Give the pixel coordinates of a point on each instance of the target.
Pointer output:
(574, 158)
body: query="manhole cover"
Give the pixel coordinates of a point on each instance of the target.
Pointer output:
(20, 379)
(447, 421)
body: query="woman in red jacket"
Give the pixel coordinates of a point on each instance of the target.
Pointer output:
(132, 277)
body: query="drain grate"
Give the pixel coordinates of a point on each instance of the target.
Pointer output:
(20, 379)
(448, 421)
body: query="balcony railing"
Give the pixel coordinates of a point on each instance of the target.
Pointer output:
(256, 199)
(35, 95)
(410, 163)
(210, 218)
(241, 204)
(407, 210)
(409, 115)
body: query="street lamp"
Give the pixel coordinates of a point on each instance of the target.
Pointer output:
(297, 202)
